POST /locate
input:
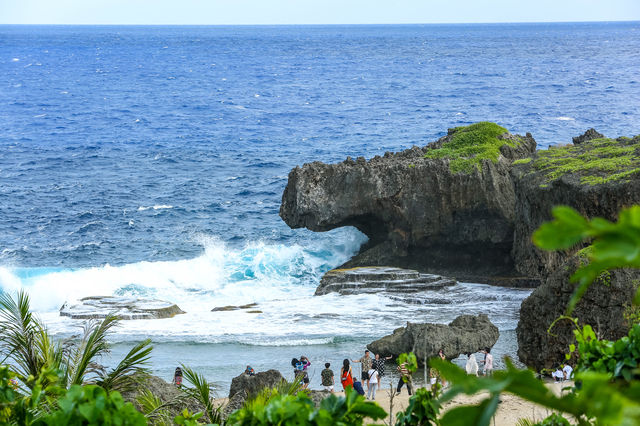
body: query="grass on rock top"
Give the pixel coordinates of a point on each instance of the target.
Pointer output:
(470, 145)
(597, 161)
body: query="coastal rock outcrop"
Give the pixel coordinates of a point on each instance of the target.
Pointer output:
(252, 385)
(604, 306)
(374, 279)
(598, 177)
(127, 308)
(467, 205)
(173, 398)
(467, 333)
(440, 208)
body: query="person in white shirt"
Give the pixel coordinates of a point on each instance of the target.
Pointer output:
(488, 362)
(558, 375)
(373, 384)
(472, 364)
(567, 372)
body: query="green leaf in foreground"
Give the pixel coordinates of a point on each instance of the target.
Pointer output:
(615, 245)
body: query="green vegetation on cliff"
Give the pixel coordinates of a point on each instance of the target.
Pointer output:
(597, 161)
(469, 145)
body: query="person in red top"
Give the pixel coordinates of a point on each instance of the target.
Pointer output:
(177, 377)
(346, 376)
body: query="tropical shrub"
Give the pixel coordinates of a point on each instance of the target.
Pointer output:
(350, 409)
(423, 409)
(410, 360)
(30, 350)
(90, 405)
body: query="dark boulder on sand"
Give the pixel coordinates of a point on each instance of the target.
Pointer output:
(252, 385)
(467, 333)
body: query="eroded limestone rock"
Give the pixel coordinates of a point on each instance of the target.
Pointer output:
(127, 308)
(466, 333)
(374, 279)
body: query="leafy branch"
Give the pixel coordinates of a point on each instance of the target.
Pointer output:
(614, 245)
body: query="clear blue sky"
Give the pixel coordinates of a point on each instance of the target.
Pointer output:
(222, 12)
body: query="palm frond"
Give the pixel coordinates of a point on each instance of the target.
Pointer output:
(134, 364)
(154, 409)
(92, 345)
(202, 392)
(19, 328)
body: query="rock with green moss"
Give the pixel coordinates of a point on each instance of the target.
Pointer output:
(466, 148)
(597, 176)
(446, 208)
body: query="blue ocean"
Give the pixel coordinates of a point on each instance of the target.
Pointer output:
(150, 161)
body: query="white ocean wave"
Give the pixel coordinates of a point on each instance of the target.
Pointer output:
(156, 207)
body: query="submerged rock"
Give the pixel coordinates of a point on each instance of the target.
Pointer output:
(233, 307)
(374, 279)
(467, 333)
(603, 306)
(252, 385)
(127, 308)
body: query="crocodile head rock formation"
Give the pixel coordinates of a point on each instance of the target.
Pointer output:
(447, 208)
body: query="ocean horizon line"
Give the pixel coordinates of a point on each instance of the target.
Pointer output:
(407, 24)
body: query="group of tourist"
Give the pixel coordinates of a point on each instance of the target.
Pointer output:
(487, 362)
(562, 373)
(372, 370)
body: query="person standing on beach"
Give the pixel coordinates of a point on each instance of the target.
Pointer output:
(378, 365)
(346, 376)
(442, 357)
(472, 364)
(488, 362)
(365, 362)
(405, 378)
(177, 377)
(373, 384)
(302, 366)
(327, 378)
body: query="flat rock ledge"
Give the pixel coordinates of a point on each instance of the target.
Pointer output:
(250, 308)
(127, 308)
(467, 333)
(375, 279)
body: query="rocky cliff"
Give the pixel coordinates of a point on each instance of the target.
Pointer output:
(467, 205)
(448, 207)
(598, 177)
(605, 306)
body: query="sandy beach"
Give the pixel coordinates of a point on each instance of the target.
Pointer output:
(510, 409)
